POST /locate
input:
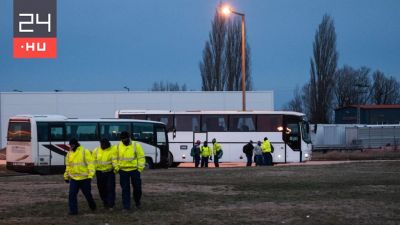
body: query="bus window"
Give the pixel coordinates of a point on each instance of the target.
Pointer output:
(43, 131)
(56, 133)
(111, 131)
(82, 131)
(19, 131)
(166, 119)
(241, 123)
(291, 133)
(305, 132)
(214, 123)
(268, 123)
(161, 136)
(143, 132)
(187, 123)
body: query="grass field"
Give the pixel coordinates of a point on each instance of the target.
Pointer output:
(348, 193)
(366, 154)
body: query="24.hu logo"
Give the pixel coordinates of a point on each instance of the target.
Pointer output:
(35, 29)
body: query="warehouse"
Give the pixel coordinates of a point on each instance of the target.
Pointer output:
(105, 104)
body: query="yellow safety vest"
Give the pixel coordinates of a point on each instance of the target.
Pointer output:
(205, 151)
(130, 157)
(266, 146)
(216, 148)
(105, 159)
(79, 164)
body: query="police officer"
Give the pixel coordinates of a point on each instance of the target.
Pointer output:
(105, 159)
(266, 149)
(79, 172)
(216, 150)
(205, 153)
(131, 162)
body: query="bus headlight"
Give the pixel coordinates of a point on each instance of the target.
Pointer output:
(183, 157)
(279, 156)
(306, 155)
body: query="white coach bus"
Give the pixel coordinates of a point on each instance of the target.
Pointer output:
(39, 143)
(287, 131)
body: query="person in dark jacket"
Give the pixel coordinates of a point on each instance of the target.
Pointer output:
(195, 153)
(248, 150)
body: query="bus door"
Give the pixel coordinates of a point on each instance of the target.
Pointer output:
(53, 155)
(162, 144)
(292, 138)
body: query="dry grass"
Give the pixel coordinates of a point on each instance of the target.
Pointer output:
(350, 193)
(368, 154)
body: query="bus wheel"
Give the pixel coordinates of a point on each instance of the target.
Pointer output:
(170, 159)
(149, 163)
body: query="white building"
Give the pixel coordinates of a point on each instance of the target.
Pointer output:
(104, 104)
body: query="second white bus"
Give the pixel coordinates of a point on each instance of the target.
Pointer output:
(287, 131)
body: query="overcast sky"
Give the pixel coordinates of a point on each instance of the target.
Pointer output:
(105, 45)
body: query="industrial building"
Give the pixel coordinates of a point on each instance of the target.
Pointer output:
(368, 114)
(105, 104)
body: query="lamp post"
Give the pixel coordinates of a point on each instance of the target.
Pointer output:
(125, 87)
(226, 10)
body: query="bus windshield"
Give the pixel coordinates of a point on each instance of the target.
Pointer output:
(19, 131)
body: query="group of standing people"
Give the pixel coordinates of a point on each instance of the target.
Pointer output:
(262, 153)
(201, 154)
(126, 159)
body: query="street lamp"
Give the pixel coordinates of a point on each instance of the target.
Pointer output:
(125, 87)
(226, 10)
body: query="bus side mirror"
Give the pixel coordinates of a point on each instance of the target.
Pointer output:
(173, 133)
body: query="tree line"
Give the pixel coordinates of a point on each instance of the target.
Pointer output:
(330, 87)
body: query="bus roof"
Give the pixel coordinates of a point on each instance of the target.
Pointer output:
(61, 118)
(166, 112)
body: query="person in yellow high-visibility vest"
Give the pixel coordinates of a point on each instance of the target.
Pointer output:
(79, 173)
(266, 150)
(105, 158)
(131, 162)
(205, 152)
(216, 151)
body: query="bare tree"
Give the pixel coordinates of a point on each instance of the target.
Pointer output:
(211, 68)
(323, 68)
(221, 63)
(296, 104)
(385, 90)
(352, 86)
(206, 69)
(233, 62)
(168, 86)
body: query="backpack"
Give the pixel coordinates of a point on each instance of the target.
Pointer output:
(192, 151)
(220, 153)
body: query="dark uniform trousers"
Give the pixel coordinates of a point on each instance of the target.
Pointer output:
(106, 186)
(127, 177)
(204, 161)
(74, 186)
